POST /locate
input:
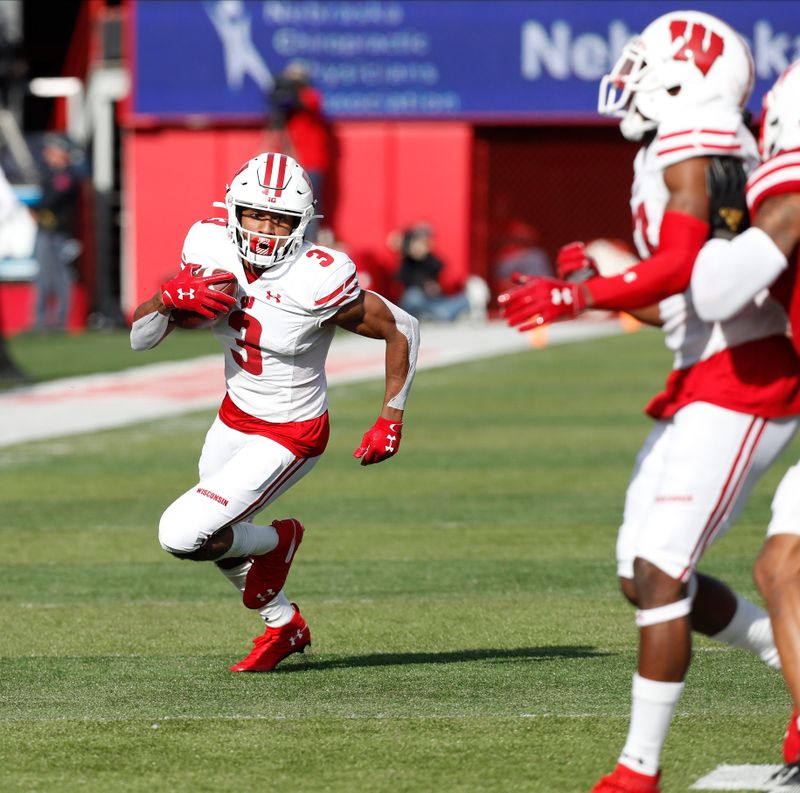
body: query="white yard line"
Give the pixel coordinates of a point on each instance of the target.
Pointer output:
(744, 777)
(95, 402)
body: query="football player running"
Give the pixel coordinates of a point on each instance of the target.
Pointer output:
(272, 425)
(731, 401)
(761, 264)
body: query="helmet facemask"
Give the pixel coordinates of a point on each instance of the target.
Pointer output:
(263, 250)
(620, 90)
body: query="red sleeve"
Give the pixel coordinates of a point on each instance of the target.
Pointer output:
(667, 272)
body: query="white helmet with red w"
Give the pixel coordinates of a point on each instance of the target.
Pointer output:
(780, 127)
(275, 183)
(682, 62)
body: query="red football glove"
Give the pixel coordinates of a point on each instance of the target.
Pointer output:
(574, 264)
(189, 291)
(540, 301)
(380, 441)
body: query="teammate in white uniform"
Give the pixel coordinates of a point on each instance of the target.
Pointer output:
(729, 276)
(732, 398)
(272, 425)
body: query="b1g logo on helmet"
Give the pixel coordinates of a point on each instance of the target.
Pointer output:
(700, 48)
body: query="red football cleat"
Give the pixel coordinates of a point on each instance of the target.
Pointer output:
(268, 573)
(791, 740)
(275, 644)
(625, 780)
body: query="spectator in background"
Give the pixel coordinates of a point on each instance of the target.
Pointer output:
(518, 251)
(420, 272)
(303, 131)
(56, 247)
(10, 209)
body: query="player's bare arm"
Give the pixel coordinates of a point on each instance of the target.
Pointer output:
(687, 194)
(155, 303)
(370, 316)
(779, 216)
(374, 317)
(686, 182)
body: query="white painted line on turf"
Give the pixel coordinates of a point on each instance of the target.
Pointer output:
(85, 404)
(744, 777)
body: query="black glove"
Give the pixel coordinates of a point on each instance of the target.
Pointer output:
(727, 208)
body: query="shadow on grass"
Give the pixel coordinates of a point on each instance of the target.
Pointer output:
(453, 657)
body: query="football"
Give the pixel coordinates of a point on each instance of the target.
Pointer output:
(192, 321)
(612, 257)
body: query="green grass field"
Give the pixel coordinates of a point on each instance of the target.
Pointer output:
(468, 634)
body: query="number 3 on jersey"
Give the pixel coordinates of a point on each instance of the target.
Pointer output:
(250, 343)
(325, 259)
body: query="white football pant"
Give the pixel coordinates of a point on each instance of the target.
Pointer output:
(690, 481)
(240, 475)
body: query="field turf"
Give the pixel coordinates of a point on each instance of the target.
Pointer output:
(468, 634)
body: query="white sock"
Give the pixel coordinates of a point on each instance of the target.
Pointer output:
(653, 703)
(750, 629)
(236, 575)
(250, 539)
(277, 612)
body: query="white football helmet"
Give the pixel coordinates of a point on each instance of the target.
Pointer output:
(682, 61)
(780, 126)
(271, 182)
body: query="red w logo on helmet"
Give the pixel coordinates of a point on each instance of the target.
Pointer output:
(701, 53)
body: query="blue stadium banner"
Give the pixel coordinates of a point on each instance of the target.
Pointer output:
(503, 60)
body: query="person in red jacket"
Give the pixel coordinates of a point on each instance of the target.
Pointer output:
(297, 112)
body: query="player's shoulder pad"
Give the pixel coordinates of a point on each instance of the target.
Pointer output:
(330, 276)
(206, 243)
(778, 175)
(675, 143)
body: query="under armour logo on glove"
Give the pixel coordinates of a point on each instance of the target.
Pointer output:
(561, 297)
(191, 291)
(541, 300)
(380, 441)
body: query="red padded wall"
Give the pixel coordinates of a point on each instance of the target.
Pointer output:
(172, 176)
(387, 176)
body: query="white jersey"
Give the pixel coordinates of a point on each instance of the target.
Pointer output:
(690, 338)
(274, 339)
